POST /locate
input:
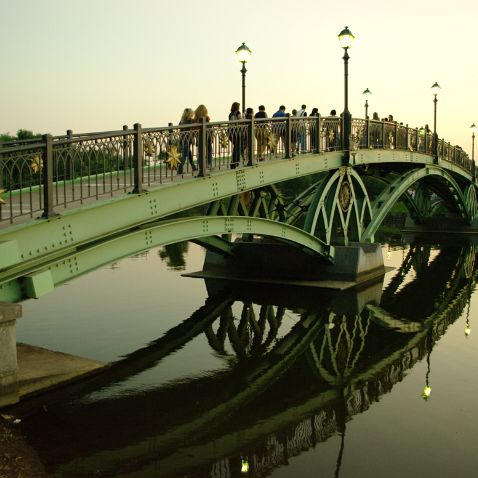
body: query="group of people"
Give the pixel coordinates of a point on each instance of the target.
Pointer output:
(190, 116)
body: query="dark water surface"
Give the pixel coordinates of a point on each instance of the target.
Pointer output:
(227, 380)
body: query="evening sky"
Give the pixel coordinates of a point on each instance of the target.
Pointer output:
(96, 65)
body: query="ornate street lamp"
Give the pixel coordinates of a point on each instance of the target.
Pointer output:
(366, 94)
(346, 38)
(243, 53)
(473, 131)
(473, 165)
(435, 89)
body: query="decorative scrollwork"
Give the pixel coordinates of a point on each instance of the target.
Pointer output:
(341, 209)
(271, 142)
(149, 149)
(173, 156)
(345, 196)
(37, 164)
(223, 140)
(471, 201)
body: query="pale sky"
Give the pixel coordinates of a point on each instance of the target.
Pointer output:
(94, 65)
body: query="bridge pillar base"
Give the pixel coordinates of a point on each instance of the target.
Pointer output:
(359, 262)
(264, 259)
(9, 313)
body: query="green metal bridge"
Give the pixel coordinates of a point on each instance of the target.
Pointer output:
(72, 203)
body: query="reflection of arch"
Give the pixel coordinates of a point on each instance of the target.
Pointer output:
(248, 337)
(421, 257)
(343, 341)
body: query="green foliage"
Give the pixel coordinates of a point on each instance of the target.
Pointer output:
(27, 134)
(4, 137)
(22, 134)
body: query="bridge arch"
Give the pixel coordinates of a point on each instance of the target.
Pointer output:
(340, 208)
(392, 193)
(96, 254)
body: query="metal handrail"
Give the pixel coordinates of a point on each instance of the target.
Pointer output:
(93, 165)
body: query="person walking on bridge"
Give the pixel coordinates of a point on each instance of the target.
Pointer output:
(313, 130)
(278, 128)
(302, 130)
(199, 114)
(261, 132)
(235, 135)
(187, 140)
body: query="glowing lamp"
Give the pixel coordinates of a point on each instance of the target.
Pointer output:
(243, 53)
(367, 93)
(346, 38)
(435, 88)
(427, 391)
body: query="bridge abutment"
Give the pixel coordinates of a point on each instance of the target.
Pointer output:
(9, 313)
(266, 260)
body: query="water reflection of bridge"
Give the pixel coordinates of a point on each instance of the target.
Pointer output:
(348, 353)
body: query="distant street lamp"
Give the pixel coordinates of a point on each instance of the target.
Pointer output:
(366, 94)
(346, 38)
(435, 89)
(243, 53)
(473, 130)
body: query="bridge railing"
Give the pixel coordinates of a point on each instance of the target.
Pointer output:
(41, 175)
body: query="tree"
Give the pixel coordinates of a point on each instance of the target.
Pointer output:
(4, 137)
(26, 134)
(22, 134)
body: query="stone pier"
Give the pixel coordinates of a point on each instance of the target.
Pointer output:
(26, 370)
(9, 313)
(266, 260)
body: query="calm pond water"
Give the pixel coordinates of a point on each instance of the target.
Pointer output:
(228, 380)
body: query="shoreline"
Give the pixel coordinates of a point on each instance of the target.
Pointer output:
(17, 458)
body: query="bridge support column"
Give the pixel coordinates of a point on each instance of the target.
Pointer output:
(266, 260)
(9, 313)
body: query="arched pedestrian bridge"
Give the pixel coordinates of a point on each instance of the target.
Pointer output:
(72, 203)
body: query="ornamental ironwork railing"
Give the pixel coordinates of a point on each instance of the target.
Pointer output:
(39, 175)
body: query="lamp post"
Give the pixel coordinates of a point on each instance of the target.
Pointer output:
(473, 130)
(366, 94)
(473, 165)
(346, 38)
(435, 88)
(243, 53)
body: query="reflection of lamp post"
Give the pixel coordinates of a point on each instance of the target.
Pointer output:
(435, 88)
(244, 465)
(467, 326)
(427, 391)
(366, 94)
(243, 53)
(467, 323)
(346, 38)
